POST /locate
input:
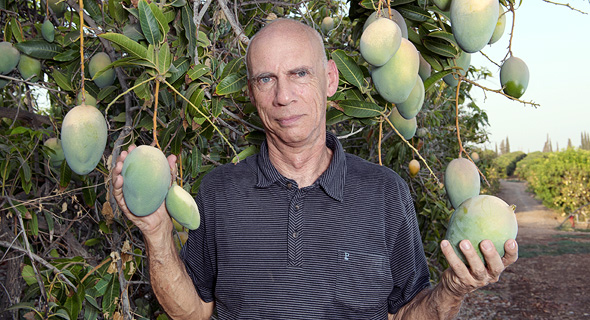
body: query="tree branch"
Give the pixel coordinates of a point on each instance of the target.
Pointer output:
(16, 113)
(233, 22)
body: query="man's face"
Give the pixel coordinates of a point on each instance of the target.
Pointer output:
(289, 83)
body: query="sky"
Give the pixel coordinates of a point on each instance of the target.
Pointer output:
(554, 43)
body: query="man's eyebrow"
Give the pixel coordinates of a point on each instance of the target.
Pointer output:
(262, 75)
(302, 68)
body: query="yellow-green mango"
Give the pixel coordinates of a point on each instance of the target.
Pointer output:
(473, 22)
(327, 24)
(425, 69)
(410, 108)
(395, 80)
(90, 100)
(98, 62)
(461, 181)
(462, 61)
(57, 157)
(146, 179)
(29, 68)
(395, 16)
(514, 77)
(182, 207)
(10, 57)
(479, 218)
(380, 41)
(444, 5)
(407, 128)
(48, 31)
(500, 26)
(83, 138)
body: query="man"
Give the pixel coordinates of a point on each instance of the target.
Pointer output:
(303, 230)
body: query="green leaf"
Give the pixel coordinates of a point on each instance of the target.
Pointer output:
(196, 98)
(29, 275)
(110, 297)
(105, 92)
(34, 224)
(370, 4)
(133, 48)
(62, 313)
(216, 106)
(251, 150)
(334, 116)
(230, 84)
(447, 36)
(142, 91)
(203, 40)
(233, 67)
(40, 49)
(428, 83)
(197, 71)
(93, 10)
(432, 61)
(348, 68)
(190, 29)
(148, 22)
(17, 32)
(67, 55)
(65, 175)
(162, 22)
(415, 13)
(89, 195)
(164, 59)
(360, 109)
(61, 80)
(117, 11)
(74, 303)
(176, 146)
(442, 49)
(181, 65)
(196, 161)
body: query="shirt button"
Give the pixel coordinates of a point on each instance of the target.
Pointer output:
(289, 185)
(296, 207)
(295, 234)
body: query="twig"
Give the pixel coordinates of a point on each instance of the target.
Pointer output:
(352, 133)
(276, 3)
(29, 83)
(500, 92)
(234, 24)
(565, 5)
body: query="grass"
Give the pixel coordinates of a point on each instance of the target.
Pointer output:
(563, 245)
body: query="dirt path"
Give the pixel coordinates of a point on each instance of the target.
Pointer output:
(551, 277)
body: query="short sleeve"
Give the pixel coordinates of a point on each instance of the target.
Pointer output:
(407, 260)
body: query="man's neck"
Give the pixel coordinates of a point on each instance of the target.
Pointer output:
(304, 164)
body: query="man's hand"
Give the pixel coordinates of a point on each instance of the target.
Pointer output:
(460, 279)
(156, 223)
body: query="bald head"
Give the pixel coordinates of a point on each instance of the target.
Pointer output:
(278, 31)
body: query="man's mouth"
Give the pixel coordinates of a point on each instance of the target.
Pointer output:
(287, 121)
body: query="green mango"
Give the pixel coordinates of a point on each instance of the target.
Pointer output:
(395, 16)
(327, 24)
(500, 26)
(90, 100)
(425, 69)
(462, 61)
(29, 68)
(146, 179)
(98, 62)
(410, 108)
(182, 207)
(473, 22)
(407, 128)
(83, 138)
(395, 80)
(380, 41)
(479, 218)
(57, 157)
(48, 31)
(461, 181)
(514, 77)
(10, 57)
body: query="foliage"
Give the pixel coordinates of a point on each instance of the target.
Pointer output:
(560, 179)
(506, 163)
(181, 85)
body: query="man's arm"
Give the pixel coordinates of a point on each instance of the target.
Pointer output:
(170, 281)
(444, 300)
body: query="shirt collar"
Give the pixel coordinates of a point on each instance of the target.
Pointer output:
(332, 180)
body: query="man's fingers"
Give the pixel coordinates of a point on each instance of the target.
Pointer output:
(478, 269)
(453, 259)
(510, 252)
(493, 259)
(172, 163)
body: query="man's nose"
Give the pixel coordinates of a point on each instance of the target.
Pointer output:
(284, 94)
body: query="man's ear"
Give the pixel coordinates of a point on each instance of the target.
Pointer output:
(250, 93)
(333, 78)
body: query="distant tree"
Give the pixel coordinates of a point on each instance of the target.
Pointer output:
(557, 146)
(585, 144)
(569, 144)
(548, 147)
(497, 149)
(507, 145)
(502, 147)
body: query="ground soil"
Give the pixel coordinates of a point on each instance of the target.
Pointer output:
(551, 277)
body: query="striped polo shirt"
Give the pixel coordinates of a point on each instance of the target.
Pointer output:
(346, 247)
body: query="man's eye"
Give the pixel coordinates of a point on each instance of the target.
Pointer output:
(302, 73)
(264, 80)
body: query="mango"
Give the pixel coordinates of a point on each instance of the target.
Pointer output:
(83, 138)
(461, 181)
(327, 24)
(182, 207)
(425, 69)
(146, 179)
(407, 128)
(410, 108)
(475, 157)
(56, 156)
(90, 100)
(380, 41)
(98, 62)
(48, 31)
(462, 61)
(57, 6)
(29, 68)
(422, 133)
(500, 26)
(414, 167)
(395, 80)
(10, 57)
(473, 22)
(514, 77)
(482, 217)
(395, 16)
(444, 5)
